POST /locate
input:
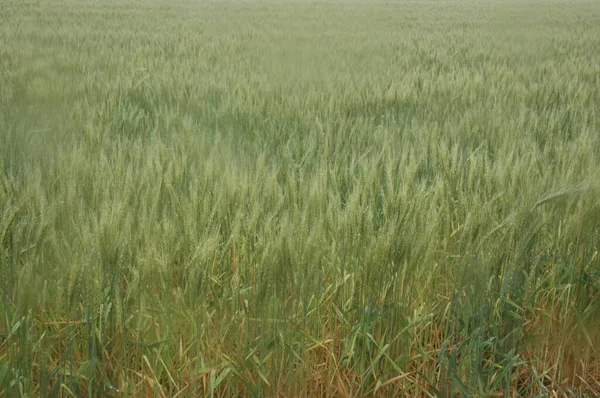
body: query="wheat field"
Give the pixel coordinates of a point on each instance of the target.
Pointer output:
(299, 199)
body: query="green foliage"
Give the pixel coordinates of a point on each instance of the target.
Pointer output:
(284, 198)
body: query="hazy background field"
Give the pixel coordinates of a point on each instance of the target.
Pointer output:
(299, 198)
